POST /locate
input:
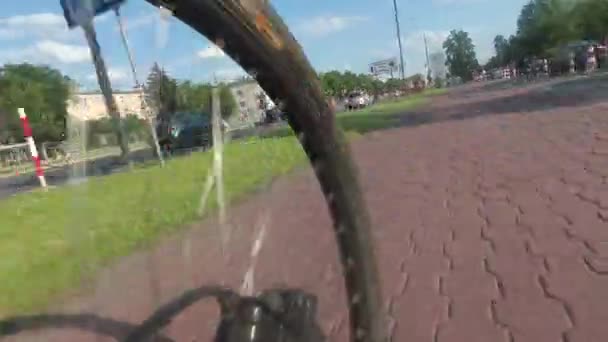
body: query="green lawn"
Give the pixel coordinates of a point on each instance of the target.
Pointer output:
(383, 115)
(50, 240)
(380, 116)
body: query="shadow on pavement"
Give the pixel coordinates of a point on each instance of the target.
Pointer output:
(566, 94)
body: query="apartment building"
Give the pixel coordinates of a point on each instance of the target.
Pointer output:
(87, 106)
(247, 94)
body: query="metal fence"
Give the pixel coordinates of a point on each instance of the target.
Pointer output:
(15, 158)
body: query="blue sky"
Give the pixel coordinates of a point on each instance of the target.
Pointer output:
(335, 34)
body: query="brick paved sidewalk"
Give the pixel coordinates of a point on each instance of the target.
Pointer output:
(489, 229)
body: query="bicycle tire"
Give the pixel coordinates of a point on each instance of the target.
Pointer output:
(254, 35)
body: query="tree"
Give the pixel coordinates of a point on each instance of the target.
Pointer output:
(546, 27)
(591, 19)
(335, 83)
(331, 82)
(439, 83)
(197, 97)
(194, 97)
(501, 47)
(42, 91)
(492, 63)
(556, 23)
(161, 92)
(529, 33)
(460, 54)
(227, 102)
(394, 84)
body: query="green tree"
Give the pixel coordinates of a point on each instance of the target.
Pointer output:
(194, 97)
(492, 63)
(501, 47)
(197, 97)
(591, 17)
(161, 92)
(42, 91)
(556, 24)
(228, 104)
(439, 83)
(530, 36)
(394, 84)
(335, 83)
(332, 83)
(545, 27)
(350, 82)
(460, 54)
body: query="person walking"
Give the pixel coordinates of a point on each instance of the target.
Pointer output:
(591, 60)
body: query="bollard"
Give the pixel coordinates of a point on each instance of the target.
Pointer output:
(29, 139)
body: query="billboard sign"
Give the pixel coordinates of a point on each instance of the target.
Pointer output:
(82, 12)
(384, 67)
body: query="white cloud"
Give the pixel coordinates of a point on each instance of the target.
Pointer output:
(229, 74)
(63, 53)
(325, 25)
(117, 75)
(37, 25)
(47, 52)
(37, 19)
(211, 51)
(415, 41)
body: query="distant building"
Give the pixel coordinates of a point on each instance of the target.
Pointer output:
(87, 106)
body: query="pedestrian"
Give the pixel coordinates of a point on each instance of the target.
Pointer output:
(599, 51)
(572, 63)
(591, 60)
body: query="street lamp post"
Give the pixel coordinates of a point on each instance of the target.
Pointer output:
(399, 39)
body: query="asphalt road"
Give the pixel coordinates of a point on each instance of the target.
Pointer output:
(64, 175)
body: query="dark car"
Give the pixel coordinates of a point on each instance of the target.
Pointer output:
(185, 130)
(274, 115)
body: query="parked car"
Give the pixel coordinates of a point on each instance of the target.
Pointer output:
(186, 130)
(357, 100)
(274, 115)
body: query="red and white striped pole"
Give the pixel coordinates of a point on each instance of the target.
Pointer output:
(29, 139)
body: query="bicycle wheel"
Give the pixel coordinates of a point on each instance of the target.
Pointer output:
(253, 34)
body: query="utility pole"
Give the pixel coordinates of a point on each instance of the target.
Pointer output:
(106, 88)
(428, 65)
(150, 116)
(399, 39)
